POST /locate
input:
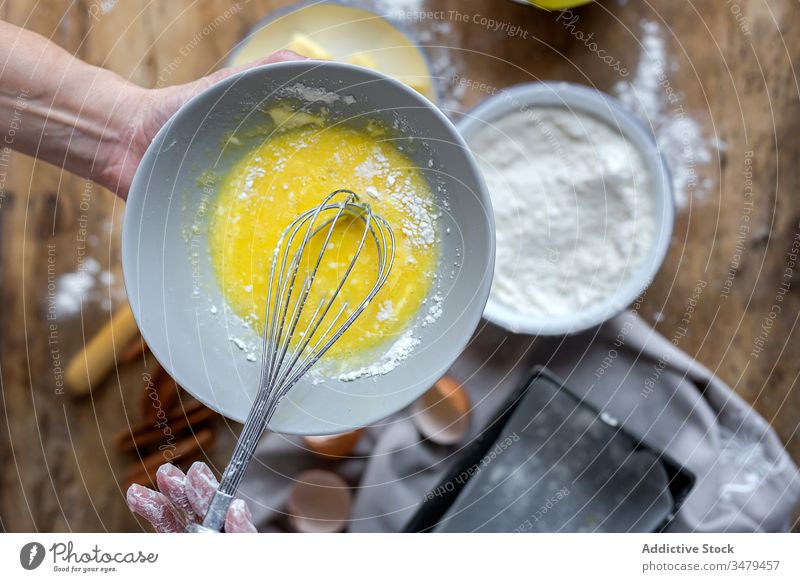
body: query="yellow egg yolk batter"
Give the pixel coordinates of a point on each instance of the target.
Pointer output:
(293, 171)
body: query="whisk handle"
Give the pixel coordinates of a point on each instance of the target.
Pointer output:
(215, 517)
(242, 454)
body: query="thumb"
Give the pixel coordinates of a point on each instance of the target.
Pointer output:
(217, 76)
(167, 100)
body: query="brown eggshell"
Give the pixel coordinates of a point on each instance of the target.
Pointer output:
(442, 413)
(319, 502)
(335, 445)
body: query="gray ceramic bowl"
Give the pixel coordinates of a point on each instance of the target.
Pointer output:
(170, 281)
(605, 108)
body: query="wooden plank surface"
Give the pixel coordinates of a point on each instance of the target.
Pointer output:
(59, 472)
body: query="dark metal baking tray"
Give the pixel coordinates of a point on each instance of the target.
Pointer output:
(548, 461)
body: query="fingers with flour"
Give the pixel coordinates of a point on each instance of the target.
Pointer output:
(239, 519)
(200, 487)
(156, 508)
(172, 483)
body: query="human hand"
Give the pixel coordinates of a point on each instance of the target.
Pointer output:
(151, 108)
(86, 119)
(185, 499)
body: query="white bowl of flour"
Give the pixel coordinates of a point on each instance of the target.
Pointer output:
(582, 202)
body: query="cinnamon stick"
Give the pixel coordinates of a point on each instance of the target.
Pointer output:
(134, 351)
(160, 394)
(184, 452)
(145, 434)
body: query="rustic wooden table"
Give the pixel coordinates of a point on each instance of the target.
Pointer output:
(728, 67)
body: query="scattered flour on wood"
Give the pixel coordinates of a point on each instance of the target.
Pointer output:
(651, 96)
(88, 284)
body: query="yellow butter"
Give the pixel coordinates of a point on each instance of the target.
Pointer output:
(286, 118)
(363, 60)
(303, 45)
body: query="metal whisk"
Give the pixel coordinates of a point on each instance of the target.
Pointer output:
(291, 349)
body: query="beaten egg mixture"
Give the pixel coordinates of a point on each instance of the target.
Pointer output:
(292, 171)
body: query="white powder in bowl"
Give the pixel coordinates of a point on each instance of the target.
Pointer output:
(573, 209)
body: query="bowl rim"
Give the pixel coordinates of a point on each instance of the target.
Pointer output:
(299, 5)
(611, 111)
(135, 204)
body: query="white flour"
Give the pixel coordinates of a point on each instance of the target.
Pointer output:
(650, 94)
(397, 353)
(572, 206)
(313, 94)
(88, 284)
